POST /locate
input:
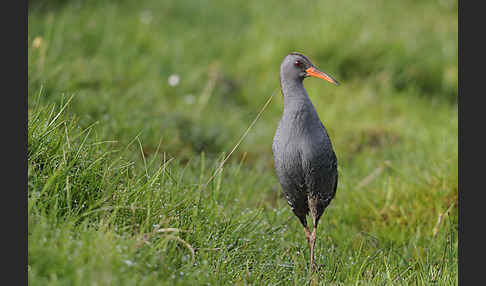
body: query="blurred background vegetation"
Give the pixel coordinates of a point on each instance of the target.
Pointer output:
(119, 54)
(186, 78)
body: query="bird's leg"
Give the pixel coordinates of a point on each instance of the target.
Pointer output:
(307, 234)
(316, 215)
(312, 241)
(303, 221)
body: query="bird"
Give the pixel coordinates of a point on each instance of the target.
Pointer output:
(304, 159)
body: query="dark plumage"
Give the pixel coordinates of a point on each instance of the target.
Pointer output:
(305, 162)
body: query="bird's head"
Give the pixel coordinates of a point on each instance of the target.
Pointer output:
(296, 66)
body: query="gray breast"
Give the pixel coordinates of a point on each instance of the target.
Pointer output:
(305, 162)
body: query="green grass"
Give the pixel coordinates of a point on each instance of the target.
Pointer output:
(118, 159)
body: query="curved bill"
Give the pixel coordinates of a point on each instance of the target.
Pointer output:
(315, 72)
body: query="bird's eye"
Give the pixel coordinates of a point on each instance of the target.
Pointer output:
(298, 63)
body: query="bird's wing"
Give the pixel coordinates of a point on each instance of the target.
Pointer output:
(320, 169)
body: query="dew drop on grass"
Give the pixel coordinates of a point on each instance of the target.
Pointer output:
(174, 80)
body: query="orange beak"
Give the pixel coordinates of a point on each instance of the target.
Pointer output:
(315, 72)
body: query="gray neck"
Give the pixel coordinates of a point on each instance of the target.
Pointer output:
(294, 93)
(299, 115)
